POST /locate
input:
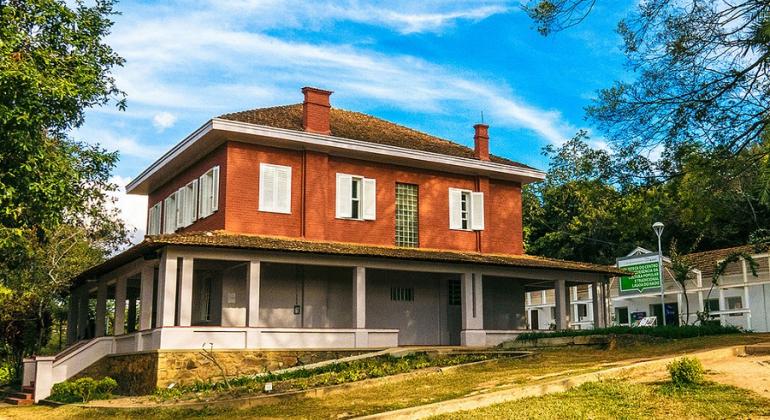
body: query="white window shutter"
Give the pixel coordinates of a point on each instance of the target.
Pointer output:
(169, 209)
(455, 209)
(344, 196)
(266, 187)
(203, 203)
(370, 199)
(477, 211)
(214, 188)
(194, 202)
(283, 189)
(179, 201)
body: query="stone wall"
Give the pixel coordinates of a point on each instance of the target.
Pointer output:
(142, 373)
(136, 374)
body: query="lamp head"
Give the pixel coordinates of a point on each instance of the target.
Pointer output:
(658, 228)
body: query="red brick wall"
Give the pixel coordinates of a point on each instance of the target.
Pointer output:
(242, 201)
(215, 221)
(313, 213)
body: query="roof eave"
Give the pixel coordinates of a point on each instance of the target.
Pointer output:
(335, 145)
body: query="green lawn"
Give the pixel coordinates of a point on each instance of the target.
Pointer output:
(547, 365)
(616, 399)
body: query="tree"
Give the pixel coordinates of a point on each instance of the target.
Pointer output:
(56, 213)
(53, 65)
(582, 211)
(701, 75)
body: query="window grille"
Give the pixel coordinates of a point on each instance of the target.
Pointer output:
(454, 292)
(402, 294)
(407, 232)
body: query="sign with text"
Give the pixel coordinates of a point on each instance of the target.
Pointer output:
(646, 276)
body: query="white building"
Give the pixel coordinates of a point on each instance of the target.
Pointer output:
(738, 297)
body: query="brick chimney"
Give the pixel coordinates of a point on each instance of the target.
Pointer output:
(315, 110)
(481, 142)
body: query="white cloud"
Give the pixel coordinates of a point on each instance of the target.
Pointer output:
(124, 145)
(163, 120)
(406, 17)
(273, 68)
(132, 208)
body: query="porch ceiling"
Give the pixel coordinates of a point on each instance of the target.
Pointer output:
(222, 239)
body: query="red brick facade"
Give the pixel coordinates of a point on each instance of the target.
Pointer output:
(313, 189)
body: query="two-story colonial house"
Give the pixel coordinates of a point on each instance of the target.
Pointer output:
(307, 227)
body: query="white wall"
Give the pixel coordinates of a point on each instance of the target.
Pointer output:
(422, 321)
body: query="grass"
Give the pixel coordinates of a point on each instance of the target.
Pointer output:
(332, 374)
(662, 331)
(545, 366)
(616, 399)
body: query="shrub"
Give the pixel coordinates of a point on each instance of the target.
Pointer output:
(6, 374)
(83, 390)
(686, 371)
(662, 331)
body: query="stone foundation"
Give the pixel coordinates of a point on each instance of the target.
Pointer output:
(142, 373)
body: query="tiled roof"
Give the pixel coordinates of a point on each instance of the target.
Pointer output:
(706, 261)
(222, 239)
(358, 126)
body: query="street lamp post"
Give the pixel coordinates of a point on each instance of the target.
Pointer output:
(658, 228)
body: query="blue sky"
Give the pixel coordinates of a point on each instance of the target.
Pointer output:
(433, 66)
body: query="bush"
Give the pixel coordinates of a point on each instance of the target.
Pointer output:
(6, 374)
(686, 371)
(83, 390)
(662, 331)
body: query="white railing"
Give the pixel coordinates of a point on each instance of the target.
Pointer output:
(46, 371)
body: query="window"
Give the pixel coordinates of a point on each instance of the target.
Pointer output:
(356, 197)
(711, 304)
(406, 215)
(187, 204)
(170, 213)
(734, 302)
(454, 292)
(621, 316)
(402, 294)
(209, 193)
(466, 210)
(582, 311)
(274, 188)
(153, 224)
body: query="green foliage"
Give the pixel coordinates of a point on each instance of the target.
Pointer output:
(6, 373)
(56, 213)
(83, 390)
(686, 371)
(662, 331)
(332, 374)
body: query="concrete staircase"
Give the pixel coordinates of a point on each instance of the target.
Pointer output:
(24, 397)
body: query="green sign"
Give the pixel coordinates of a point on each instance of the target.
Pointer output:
(646, 276)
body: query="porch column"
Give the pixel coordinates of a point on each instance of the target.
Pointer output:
(83, 311)
(598, 304)
(359, 306)
(185, 293)
(562, 319)
(101, 308)
(72, 318)
(120, 306)
(253, 289)
(472, 333)
(166, 291)
(595, 304)
(145, 317)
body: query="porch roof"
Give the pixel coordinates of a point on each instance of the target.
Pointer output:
(223, 239)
